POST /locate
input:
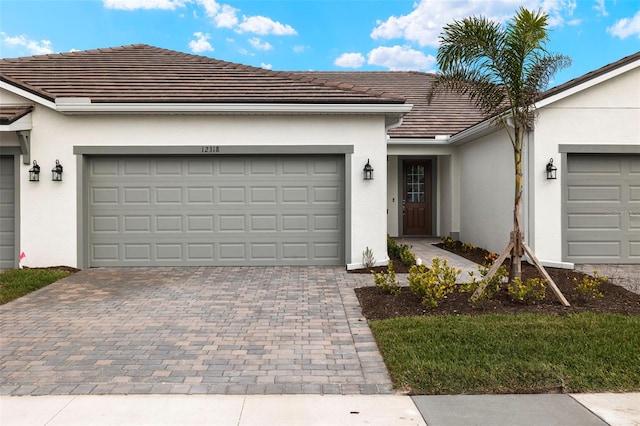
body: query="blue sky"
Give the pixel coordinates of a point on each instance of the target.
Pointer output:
(306, 35)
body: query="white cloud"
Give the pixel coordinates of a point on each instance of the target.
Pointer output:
(424, 24)
(143, 4)
(300, 48)
(201, 43)
(258, 44)
(350, 60)
(34, 47)
(600, 7)
(626, 27)
(266, 66)
(400, 58)
(262, 25)
(227, 17)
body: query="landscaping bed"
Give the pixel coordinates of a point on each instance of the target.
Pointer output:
(377, 304)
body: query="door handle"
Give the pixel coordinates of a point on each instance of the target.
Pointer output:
(404, 205)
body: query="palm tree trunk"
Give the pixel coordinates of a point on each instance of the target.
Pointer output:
(517, 238)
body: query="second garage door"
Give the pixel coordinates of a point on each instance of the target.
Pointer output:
(248, 210)
(602, 208)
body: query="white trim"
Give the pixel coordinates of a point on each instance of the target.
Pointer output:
(353, 266)
(418, 141)
(472, 133)
(28, 95)
(587, 84)
(83, 105)
(23, 123)
(552, 264)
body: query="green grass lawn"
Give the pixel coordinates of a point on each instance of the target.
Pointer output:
(15, 283)
(524, 353)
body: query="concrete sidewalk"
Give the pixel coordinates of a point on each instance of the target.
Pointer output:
(284, 410)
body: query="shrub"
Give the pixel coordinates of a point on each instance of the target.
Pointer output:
(387, 281)
(529, 291)
(494, 285)
(367, 258)
(448, 242)
(400, 251)
(433, 284)
(468, 247)
(406, 255)
(589, 287)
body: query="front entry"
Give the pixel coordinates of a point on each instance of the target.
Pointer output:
(416, 197)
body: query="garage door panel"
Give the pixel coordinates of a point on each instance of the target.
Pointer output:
(590, 194)
(7, 213)
(600, 201)
(607, 221)
(217, 211)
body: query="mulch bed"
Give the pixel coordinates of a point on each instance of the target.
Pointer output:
(376, 304)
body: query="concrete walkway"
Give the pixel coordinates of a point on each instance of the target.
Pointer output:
(425, 250)
(297, 410)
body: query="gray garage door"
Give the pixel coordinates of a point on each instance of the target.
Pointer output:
(603, 209)
(249, 210)
(7, 213)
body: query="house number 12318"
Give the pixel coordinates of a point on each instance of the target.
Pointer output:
(210, 149)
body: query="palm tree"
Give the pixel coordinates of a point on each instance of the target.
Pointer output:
(503, 70)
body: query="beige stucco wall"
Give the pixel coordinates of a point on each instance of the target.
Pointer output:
(49, 214)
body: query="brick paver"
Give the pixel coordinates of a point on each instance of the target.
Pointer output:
(229, 330)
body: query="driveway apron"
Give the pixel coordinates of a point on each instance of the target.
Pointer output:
(227, 330)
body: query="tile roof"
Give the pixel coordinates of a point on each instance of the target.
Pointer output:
(142, 73)
(447, 114)
(591, 75)
(12, 113)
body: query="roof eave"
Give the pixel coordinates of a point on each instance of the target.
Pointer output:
(85, 106)
(557, 94)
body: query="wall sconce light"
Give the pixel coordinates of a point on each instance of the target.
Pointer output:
(34, 172)
(56, 172)
(551, 169)
(368, 171)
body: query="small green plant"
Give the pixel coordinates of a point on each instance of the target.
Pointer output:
(589, 287)
(387, 281)
(367, 258)
(490, 259)
(468, 247)
(400, 251)
(495, 283)
(448, 242)
(530, 291)
(434, 284)
(407, 257)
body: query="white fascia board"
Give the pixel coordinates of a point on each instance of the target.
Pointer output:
(472, 133)
(587, 84)
(23, 123)
(85, 106)
(419, 141)
(27, 95)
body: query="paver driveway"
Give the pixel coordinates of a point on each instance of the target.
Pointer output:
(223, 330)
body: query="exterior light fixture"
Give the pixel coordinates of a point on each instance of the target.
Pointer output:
(368, 171)
(34, 172)
(551, 169)
(56, 172)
